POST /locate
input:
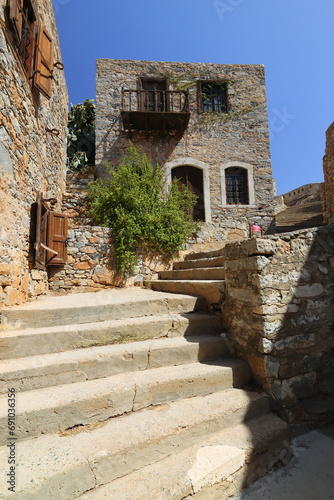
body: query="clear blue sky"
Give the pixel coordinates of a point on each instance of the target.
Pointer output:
(294, 39)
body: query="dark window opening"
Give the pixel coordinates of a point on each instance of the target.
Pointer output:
(24, 21)
(192, 177)
(153, 94)
(236, 186)
(212, 97)
(33, 44)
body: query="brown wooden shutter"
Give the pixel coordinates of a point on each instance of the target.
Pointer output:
(57, 235)
(44, 62)
(41, 234)
(15, 14)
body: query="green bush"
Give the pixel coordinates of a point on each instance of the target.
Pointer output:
(81, 135)
(141, 215)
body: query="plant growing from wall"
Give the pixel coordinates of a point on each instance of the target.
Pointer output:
(81, 135)
(141, 214)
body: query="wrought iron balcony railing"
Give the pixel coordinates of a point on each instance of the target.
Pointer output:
(155, 109)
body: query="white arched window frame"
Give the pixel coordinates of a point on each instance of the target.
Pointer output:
(206, 179)
(250, 179)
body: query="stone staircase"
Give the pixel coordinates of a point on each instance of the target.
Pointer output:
(303, 216)
(115, 388)
(199, 274)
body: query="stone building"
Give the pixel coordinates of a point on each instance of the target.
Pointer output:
(33, 118)
(206, 124)
(328, 186)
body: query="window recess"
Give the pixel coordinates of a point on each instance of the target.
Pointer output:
(33, 44)
(236, 186)
(212, 97)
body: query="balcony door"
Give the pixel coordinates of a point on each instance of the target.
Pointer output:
(192, 177)
(153, 95)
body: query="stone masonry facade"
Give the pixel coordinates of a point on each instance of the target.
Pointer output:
(328, 186)
(33, 118)
(278, 310)
(211, 142)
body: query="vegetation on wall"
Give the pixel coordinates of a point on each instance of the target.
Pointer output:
(133, 202)
(81, 135)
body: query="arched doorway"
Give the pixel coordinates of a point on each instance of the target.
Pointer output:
(192, 177)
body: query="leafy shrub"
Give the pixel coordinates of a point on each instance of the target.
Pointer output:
(81, 135)
(134, 204)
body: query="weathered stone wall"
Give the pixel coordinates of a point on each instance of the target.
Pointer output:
(279, 312)
(328, 186)
(87, 268)
(31, 159)
(212, 141)
(75, 204)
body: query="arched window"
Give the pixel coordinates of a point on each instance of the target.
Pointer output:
(236, 180)
(237, 184)
(192, 177)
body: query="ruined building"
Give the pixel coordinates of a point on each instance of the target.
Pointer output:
(33, 117)
(205, 123)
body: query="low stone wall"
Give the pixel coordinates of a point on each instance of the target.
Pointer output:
(89, 253)
(278, 310)
(90, 263)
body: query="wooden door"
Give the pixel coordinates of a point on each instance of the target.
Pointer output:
(57, 236)
(192, 177)
(155, 96)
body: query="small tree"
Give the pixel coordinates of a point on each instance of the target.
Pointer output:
(140, 213)
(81, 135)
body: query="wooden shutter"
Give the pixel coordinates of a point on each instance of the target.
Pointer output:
(44, 62)
(15, 14)
(57, 235)
(41, 234)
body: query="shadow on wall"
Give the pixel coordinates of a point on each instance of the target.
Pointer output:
(156, 150)
(279, 313)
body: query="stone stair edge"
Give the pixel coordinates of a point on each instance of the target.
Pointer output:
(97, 455)
(58, 408)
(89, 363)
(45, 340)
(182, 480)
(37, 314)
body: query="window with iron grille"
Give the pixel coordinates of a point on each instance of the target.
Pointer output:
(212, 97)
(236, 186)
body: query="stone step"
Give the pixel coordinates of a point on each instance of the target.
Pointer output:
(35, 372)
(205, 255)
(209, 273)
(211, 290)
(61, 467)
(36, 341)
(192, 264)
(55, 409)
(99, 306)
(222, 464)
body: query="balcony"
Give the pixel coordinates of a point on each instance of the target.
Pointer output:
(148, 110)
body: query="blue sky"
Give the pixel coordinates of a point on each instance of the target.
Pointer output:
(294, 39)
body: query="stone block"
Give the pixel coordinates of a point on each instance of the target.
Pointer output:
(296, 388)
(313, 290)
(82, 265)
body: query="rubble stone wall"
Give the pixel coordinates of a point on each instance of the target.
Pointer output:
(211, 142)
(328, 185)
(279, 312)
(31, 159)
